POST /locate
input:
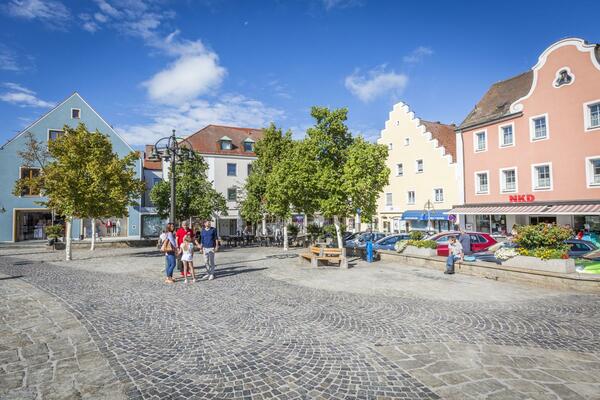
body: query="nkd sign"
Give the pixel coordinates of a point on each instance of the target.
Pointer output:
(521, 198)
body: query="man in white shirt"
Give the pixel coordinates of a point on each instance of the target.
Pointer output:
(455, 252)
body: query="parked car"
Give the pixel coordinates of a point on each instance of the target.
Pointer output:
(479, 241)
(579, 248)
(389, 242)
(488, 255)
(360, 241)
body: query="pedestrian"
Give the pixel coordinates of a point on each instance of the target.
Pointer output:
(159, 243)
(181, 233)
(465, 241)
(455, 252)
(187, 257)
(169, 247)
(514, 231)
(209, 245)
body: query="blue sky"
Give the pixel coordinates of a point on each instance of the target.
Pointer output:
(150, 66)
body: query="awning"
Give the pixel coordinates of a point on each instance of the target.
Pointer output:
(422, 215)
(531, 209)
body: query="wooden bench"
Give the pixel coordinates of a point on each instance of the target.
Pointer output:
(320, 256)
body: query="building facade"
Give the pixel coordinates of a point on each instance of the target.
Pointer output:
(152, 224)
(229, 152)
(423, 180)
(530, 148)
(20, 217)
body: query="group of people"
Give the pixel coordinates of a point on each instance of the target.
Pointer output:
(179, 247)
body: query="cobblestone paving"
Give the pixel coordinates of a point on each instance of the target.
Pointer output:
(248, 335)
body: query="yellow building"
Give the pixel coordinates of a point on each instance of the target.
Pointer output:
(424, 175)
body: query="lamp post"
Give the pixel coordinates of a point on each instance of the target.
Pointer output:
(170, 148)
(428, 206)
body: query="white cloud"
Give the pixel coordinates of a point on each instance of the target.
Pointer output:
(100, 17)
(22, 97)
(53, 12)
(417, 55)
(331, 4)
(8, 59)
(375, 83)
(234, 110)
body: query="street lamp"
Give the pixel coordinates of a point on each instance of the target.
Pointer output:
(171, 148)
(428, 206)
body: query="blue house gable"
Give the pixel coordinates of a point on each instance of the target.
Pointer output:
(20, 217)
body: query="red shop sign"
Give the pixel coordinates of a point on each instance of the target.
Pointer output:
(521, 198)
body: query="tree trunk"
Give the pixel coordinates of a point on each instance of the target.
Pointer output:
(285, 235)
(93, 245)
(264, 224)
(336, 222)
(68, 238)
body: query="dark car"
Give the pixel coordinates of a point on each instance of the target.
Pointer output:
(389, 242)
(488, 255)
(579, 248)
(360, 241)
(480, 241)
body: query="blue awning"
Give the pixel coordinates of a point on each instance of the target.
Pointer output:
(423, 215)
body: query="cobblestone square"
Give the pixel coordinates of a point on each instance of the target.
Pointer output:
(105, 326)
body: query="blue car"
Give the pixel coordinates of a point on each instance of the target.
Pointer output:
(389, 242)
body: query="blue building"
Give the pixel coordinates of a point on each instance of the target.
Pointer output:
(20, 217)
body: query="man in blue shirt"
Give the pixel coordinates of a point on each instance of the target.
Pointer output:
(209, 245)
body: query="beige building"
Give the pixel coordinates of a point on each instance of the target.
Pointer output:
(423, 183)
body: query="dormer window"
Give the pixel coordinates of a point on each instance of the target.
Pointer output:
(563, 77)
(75, 113)
(249, 145)
(225, 143)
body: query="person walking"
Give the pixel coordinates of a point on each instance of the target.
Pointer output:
(181, 233)
(169, 247)
(209, 245)
(455, 252)
(187, 257)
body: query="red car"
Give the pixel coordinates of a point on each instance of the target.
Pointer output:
(479, 241)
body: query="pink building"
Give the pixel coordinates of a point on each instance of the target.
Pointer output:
(530, 149)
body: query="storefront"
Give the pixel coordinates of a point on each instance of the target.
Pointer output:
(105, 227)
(428, 220)
(31, 224)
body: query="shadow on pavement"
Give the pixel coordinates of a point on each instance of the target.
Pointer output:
(11, 277)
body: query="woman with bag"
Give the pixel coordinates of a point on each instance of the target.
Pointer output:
(169, 247)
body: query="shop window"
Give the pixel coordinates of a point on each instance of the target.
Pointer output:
(30, 173)
(231, 169)
(482, 223)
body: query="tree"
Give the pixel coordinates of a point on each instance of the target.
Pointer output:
(85, 179)
(35, 155)
(270, 150)
(195, 195)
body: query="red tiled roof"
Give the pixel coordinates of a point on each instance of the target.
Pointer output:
(445, 136)
(206, 140)
(154, 165)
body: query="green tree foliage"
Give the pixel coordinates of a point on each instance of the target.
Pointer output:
(34, 155)
(194, 194)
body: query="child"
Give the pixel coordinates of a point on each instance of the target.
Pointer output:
(187, 257)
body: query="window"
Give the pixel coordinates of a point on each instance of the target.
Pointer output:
(248, 145)
(75, 113)
(508, 180)
(481, 141)
(30, 173)
(155, 181)
(593, 171)
(54, 134)
(225, 143)
(593, 116)
(399, 169)
(232, 194)
(411, 198)
(507, 136)
(539, 127)
(542, 177)
(481, 183)
(419, 166)
(388, 200)
(249, 169)
(390, 146)
(438, 195)
(231, 169)
(406, 141)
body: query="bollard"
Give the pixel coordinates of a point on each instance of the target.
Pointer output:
(369, 249)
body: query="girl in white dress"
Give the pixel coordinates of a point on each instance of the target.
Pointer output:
(187, 257)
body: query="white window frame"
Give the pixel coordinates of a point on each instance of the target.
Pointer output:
(476, 142)
(389, 196)
(435, 200)
(401, 165)
(417, 166)
(589, 173)
(221, 142)
(390, 146)
(587, 116)
(53, 129)
(414, 192)
(534, 178)
(532, 138)
(501, 135)
(407, 141)
(227, 169)
(476, 176)
(78, 109)
(503, 182)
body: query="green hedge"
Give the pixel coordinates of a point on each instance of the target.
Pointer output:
(543, 241)
(424, 244)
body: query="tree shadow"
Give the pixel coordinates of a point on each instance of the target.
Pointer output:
(11, 277)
